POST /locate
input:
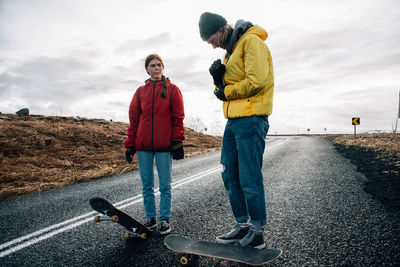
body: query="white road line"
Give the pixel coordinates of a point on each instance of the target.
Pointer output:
(273, 146)
(45, 233)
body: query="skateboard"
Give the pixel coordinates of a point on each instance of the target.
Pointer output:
(237, 253)
(111, 213)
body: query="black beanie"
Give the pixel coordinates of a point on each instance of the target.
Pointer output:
(209, 24)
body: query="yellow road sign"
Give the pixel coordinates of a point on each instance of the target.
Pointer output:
(355, 121)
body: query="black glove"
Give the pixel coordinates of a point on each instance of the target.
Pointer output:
(177, 150)
(217, 71)
(130, 151)
(220, 93)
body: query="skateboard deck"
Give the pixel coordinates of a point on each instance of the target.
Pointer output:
(246, 255)
(111, 213)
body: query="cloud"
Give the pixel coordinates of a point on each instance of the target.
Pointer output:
(188, 71)
(340, 51)
(135, 46)
(48, 83)
(332, 59)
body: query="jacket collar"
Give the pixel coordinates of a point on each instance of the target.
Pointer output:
(241, 27)
(149, 80)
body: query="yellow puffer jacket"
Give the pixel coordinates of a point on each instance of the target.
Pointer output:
(249, 76)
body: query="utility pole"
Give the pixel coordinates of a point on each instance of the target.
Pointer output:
(396, 120)
(398, 116)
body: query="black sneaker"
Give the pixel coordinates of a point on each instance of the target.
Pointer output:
(164, 227)
(233, 236)
(253, 239)
(151, 224)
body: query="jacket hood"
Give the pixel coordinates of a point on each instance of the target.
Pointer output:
(242, 27)
(260, 32)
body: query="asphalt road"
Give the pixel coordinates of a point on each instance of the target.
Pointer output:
(318, 214)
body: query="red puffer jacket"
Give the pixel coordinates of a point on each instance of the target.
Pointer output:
(155, 121)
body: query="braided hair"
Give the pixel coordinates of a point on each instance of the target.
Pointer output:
(164, 91)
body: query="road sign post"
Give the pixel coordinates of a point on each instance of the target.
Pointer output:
(355, 121)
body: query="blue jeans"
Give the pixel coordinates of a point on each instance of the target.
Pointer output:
(243, 147)
(146, 170)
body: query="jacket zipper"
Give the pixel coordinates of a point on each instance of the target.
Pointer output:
(227, 57)
(152, 119)
(227, 109)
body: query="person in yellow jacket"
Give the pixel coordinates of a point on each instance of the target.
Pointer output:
(244, 81)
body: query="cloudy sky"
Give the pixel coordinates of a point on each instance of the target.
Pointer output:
(333, 59)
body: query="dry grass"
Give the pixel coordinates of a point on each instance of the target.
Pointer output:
(39, 153)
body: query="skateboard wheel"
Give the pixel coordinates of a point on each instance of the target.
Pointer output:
(96, 218)
(143, 235)
(114, 218)
(184, 260)
(128, 236)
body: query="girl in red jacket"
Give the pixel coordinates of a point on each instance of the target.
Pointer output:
(156, 131)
